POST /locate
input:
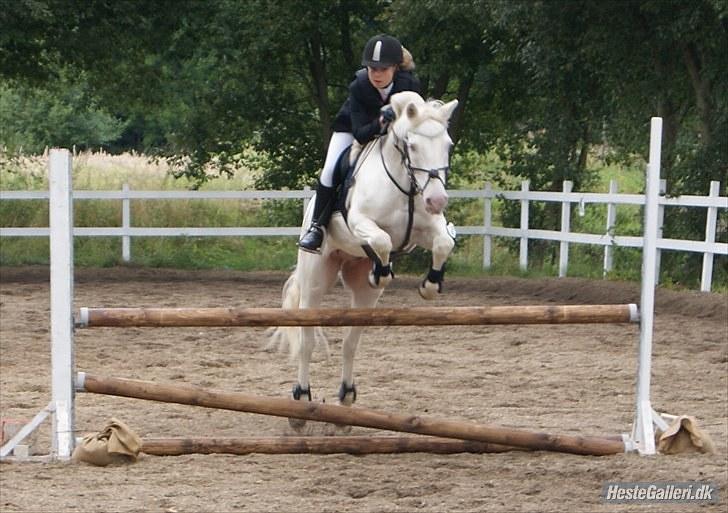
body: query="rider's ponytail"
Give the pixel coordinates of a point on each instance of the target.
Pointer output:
(408, 63)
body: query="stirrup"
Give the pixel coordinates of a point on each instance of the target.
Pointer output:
(312, 240)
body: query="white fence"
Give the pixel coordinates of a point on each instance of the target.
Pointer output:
(568, 199)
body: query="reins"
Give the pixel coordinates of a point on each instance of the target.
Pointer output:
(413, 191)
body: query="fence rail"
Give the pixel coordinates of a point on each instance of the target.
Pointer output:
(708, 246)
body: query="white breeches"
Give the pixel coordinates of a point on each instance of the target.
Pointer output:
(338, 143)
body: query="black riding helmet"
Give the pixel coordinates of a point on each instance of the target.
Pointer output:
(382, 51)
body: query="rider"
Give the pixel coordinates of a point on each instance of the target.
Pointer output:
(389, 70)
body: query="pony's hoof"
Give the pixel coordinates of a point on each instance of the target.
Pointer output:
(379, 283)
(343, 429)
(348, 399)
(297, 424)
(429, 290)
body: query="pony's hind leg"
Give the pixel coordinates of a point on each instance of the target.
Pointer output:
(355, 275)
(316, 275)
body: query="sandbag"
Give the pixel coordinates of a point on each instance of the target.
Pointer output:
(684, 436)
(116, 444)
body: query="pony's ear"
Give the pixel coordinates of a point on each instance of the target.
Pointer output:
(412, 111)
(445, 112)
(400, 101)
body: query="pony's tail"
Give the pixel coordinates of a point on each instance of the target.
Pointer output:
(291, 295)
(284, 338)
(289, 337)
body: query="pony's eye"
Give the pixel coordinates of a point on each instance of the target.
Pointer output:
(413, 147)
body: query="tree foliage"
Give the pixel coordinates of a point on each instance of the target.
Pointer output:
(542, 82)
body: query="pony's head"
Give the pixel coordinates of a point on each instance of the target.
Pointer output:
(420, 133)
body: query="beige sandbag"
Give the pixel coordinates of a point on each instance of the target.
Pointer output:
(684, 436)
(117, 443)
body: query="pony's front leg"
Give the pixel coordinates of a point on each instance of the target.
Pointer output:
(347, 391)
(443, 242)
(380, 242)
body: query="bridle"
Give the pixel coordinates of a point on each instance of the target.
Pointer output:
(406, 161)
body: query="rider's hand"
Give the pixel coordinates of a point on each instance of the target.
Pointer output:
(386, 116)
(387, 113)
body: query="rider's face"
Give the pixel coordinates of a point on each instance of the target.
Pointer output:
(381, 77)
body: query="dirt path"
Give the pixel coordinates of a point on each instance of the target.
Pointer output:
(568, 379)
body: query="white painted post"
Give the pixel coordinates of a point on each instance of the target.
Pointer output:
(306, 201)
(565, 227)
(643, 429)
(611, 222)
(487, 224)
(125, 224)
(660, 226)
(61, 256)
(710, 226)
(523, 253)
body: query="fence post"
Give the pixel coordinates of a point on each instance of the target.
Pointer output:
(710, 226)
(61, 257)
(565, 227)
(487, 224)
(523, 253)
(306, 200)
(611, 222)
(125, 224)
(660, 225)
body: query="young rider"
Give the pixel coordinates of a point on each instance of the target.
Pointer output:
(388, 71)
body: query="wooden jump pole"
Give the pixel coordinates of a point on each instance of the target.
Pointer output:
(354, 416)
(430, 316)
(317, 445)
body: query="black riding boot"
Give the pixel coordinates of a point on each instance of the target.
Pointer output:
(314, 237)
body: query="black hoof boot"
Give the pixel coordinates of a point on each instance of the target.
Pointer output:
(344, 391)
(347, 397)
(312, 240)
(298, 393)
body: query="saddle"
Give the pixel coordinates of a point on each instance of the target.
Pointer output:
(344, 177)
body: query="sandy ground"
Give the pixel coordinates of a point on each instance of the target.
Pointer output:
(563, 379)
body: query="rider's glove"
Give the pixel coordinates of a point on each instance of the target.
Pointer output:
(387, 113)
(386, 116)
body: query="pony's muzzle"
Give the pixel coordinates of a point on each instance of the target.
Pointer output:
(436, 203)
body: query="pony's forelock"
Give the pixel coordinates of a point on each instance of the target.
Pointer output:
(430, 128)
(427, 122)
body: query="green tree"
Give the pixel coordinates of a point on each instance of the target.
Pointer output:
(63, 113)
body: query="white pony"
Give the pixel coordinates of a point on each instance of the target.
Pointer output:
(396, 202)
